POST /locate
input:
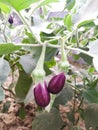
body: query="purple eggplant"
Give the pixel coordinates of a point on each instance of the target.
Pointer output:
(56, 84)
(10, 20)
(42, 96)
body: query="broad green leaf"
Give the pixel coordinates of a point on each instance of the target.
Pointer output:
(86, 58)
(8, 48)
(68, 22)
(36, 51)
(23, 85)
(91, 70)
(4, 8)
(30, 95)
(30, 39)
(19, 4)
(47, 70)
(28, 62)
(6, 106)
(48, 121)
(50, 53)
(90, 95)
(70, 4)
(86, 23)
(84, 42)
(4, 70)
(47, 36)
(91, 116)
(65, 95)
(21, 113)
(93, 84)
(51, 63)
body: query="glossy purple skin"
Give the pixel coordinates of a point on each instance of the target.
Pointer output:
(10, 20)
(42, 96)
(56, 84)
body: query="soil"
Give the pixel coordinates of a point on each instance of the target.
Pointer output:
(10, 118)
(15, 115)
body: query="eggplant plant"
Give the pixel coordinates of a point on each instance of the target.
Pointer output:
(52, 45)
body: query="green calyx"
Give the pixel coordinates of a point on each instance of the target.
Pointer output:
(38, 73)
(63, 65)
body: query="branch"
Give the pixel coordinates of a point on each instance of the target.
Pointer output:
(80, 50)
(27, 25)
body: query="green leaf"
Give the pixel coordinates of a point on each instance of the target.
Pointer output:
(51, 63)
(36, 51)
(47, 70)
(48, 121)
(30, 39)
(68, 21)
(86, 23)
(91, 70)
(70, 4)
(91, 116)
(28, 63)
(4, 70)
(86, 58)
(21, 113)
(94, 84)
(6, 106)
(4, 8)
(23, 85)
(19, 4)
(65, 95)
(8, 48)
(50, 53)
(47, 36)
(90, 95)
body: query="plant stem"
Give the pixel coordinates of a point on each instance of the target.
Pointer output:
(37, 45)
(38, 73)
(63, 55)
(40, 62)
(79, 50)
(27, 25)
(56, 46)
